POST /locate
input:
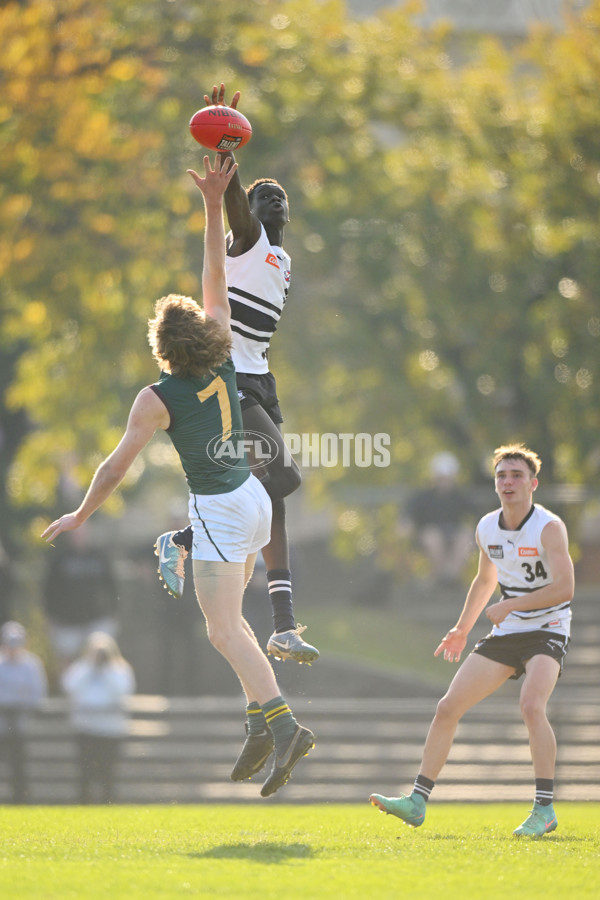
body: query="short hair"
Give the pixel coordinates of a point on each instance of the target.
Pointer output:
(256, 184)
(181, 335)
(518, 451)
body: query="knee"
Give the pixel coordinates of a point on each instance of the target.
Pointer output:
(446, 710)
(220, 637)
(532, 708)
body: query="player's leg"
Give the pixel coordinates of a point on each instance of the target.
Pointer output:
(220, 587)
(541, 674)
(259, 743)
(279, 477)
(477, 678)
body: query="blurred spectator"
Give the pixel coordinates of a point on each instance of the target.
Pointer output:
(442, 516)
(79, 595)
(6, 585)
(23, 686)
(97, 685)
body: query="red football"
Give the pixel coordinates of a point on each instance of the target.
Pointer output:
(220, 128)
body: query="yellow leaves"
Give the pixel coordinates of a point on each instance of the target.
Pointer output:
(255, 55)
(92, 137)
(34, 314)
(22, 249)
(16, 52)
(34, 478)
(188, 285)
(67, 63)
(180, 204)
(195, 223)
(103, 223)
(15, 206)
(124, 69)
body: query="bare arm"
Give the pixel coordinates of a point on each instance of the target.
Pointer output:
(482, 588)
(556, 544)
(147, 414)
(244, 225)
(214, 282)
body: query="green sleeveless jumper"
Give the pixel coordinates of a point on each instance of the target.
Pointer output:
(206, 428)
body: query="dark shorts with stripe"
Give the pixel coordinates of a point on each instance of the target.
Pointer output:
(516, 649)
(259, 390)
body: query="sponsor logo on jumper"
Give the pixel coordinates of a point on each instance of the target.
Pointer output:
(528, 551)
(495, 551)
(272, 260)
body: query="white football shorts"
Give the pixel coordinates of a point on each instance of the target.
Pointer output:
(229, 527)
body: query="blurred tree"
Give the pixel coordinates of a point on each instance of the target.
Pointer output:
(444, 229)
(462, 311)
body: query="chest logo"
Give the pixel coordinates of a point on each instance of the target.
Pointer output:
(528, 551)
(272, 260)
(495, 551)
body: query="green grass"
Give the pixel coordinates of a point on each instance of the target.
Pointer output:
(272, 851)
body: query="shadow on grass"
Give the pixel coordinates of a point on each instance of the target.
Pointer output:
(261, 852)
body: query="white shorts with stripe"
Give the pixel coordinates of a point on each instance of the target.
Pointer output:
(229, 527)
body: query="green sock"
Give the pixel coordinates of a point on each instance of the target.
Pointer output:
(280, 720)
(257, 724)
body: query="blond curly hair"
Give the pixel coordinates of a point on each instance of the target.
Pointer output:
(184, 340)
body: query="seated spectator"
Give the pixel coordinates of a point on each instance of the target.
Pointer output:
(23, 686)
(442, 517)
(97, 685)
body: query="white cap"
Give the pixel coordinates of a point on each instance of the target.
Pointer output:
(444, 464)
(13, 634)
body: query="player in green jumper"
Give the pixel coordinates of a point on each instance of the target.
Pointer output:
(196, 402)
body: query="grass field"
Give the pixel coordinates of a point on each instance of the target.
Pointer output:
(268, 851)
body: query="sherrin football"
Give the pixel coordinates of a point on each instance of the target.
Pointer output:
(220, 128)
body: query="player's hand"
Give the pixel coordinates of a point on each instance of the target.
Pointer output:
(218, 97)
(215, 181)
(65, 523)
(497, 612)
(452, 645)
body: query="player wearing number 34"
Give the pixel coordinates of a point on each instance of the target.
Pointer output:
(523, 548)
(196, 402)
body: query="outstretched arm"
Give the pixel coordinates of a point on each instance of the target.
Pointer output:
(244, 225)
(147, 414)
(214, 283)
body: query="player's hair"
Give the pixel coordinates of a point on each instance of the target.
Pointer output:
(184, 337)
(256, 184)
(518, 451)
